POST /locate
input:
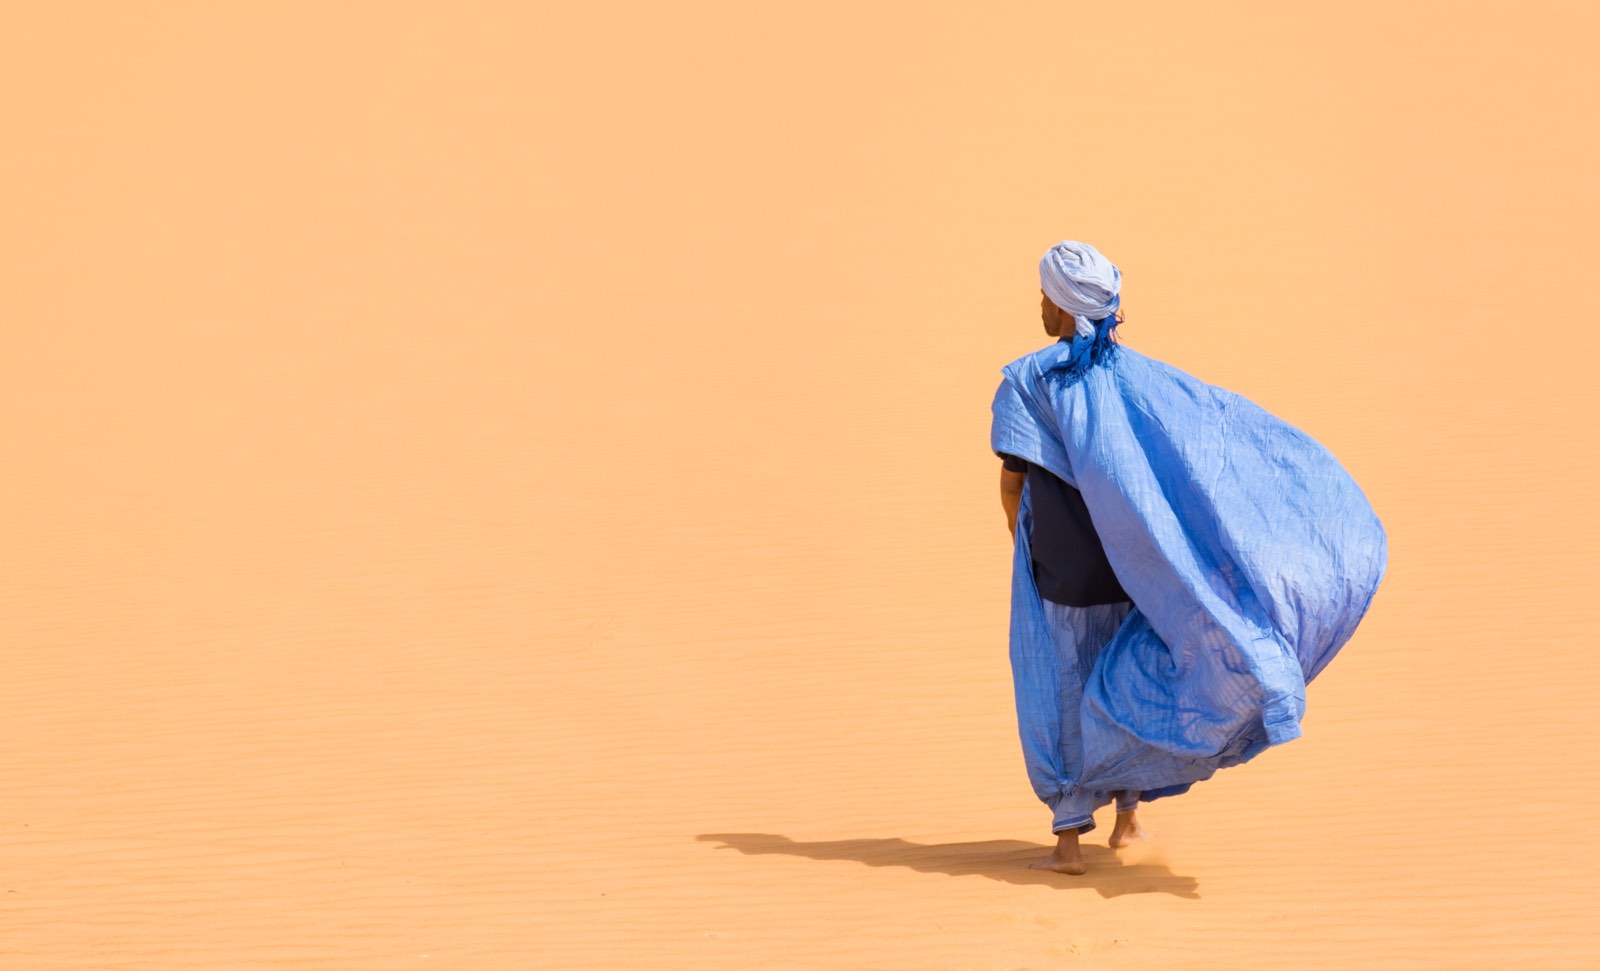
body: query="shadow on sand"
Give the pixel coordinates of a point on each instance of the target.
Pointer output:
(1004, 860)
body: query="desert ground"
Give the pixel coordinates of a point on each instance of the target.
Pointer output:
(501, 486)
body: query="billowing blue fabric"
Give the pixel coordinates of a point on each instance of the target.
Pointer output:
(1249, 553)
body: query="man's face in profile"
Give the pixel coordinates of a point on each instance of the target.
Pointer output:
(1052, 315)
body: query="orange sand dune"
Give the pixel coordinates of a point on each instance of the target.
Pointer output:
(508, 486)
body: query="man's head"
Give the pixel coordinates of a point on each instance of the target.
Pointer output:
(1079, 285)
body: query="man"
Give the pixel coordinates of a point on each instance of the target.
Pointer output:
(1184, 562)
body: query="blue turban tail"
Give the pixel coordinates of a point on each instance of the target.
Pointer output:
(1089, 349)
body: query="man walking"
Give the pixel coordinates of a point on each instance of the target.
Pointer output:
(1184, 562)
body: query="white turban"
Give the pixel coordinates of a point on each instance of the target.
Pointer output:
(1081, 281)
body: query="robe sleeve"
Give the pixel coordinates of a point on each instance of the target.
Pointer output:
(1023, 429)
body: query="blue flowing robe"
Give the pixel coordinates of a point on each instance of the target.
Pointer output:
(1249, 553)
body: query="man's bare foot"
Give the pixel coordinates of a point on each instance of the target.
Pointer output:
(1066, 858)
(1127, 830)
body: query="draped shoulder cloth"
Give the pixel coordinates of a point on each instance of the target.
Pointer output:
(1249, 553)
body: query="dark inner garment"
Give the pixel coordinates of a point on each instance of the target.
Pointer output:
(1069, 562)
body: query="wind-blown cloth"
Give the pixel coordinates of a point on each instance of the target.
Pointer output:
(1249, 553)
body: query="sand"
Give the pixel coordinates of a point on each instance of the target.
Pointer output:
(505, 487)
